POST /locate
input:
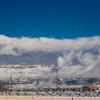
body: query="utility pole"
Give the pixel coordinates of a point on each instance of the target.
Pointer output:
(11, 79)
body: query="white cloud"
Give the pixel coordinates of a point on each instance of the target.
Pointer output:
(80, 56)
(18, 46)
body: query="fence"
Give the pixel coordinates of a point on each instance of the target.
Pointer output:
(46, 98)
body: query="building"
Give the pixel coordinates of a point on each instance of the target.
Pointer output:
(95, 86)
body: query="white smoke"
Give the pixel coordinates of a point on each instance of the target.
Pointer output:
(80, 62)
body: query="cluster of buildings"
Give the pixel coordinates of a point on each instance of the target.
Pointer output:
(45, 87)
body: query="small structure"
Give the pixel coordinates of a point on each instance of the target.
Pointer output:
(95, 86)
(76, 87)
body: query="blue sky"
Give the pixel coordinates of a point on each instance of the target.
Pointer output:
(50, 18)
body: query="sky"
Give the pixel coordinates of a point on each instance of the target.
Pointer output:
(50, 18)
(61, 32)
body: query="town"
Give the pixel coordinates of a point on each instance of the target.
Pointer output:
(28, 79)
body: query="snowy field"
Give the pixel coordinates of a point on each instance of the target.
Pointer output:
(24, 72)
